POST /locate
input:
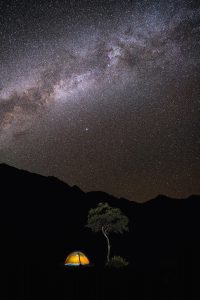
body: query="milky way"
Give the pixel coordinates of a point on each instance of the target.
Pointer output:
(104, 95)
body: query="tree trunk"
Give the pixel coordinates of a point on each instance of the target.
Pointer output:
(108, 244)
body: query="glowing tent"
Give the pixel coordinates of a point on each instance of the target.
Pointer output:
(77, 258)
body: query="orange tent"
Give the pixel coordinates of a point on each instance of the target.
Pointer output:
(77, 258)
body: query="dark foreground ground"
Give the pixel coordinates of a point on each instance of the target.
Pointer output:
(32, 281)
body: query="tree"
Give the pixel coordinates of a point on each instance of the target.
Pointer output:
(107, 219)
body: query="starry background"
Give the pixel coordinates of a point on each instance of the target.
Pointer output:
(103, 94)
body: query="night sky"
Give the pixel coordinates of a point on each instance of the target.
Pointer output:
(103, 94)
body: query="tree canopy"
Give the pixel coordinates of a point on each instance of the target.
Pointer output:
(108, 218)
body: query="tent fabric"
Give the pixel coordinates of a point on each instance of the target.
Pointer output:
(76, 258)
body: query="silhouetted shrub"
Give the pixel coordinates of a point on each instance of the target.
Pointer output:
(118, 262)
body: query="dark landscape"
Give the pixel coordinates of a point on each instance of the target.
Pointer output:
(43, 220)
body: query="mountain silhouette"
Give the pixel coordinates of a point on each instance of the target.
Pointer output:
(43, 219)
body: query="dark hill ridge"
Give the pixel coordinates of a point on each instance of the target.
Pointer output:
(42, 219)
